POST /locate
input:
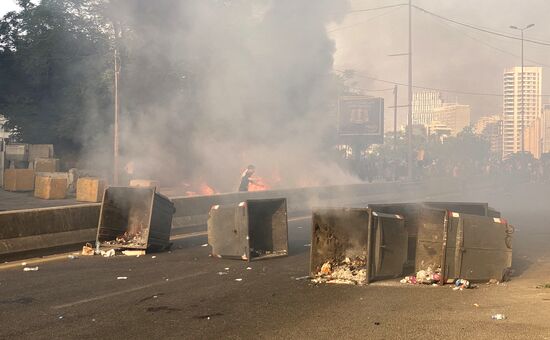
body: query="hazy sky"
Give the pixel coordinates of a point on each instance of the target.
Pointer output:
(445, 55)
(6, 6)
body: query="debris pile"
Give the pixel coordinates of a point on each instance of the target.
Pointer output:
(427, 276)
(128, 240)
(353, 272)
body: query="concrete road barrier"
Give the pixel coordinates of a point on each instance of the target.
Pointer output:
(33, 229)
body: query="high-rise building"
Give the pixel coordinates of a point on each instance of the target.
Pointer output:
(424, 103)
(454, 116)
(512, 114)
(546, 129)
(483, 121)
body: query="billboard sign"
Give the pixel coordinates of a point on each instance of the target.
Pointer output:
(361, 116)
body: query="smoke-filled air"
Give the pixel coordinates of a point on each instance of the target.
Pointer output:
(209, 87)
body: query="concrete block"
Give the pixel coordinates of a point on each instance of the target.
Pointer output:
(40, 151)
(19, 179)
(50, 187)
(89, 189)
(46, 165)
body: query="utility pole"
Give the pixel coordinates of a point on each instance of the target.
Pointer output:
(117, 105)
(409, 118)
(522, 92)
(395, 118)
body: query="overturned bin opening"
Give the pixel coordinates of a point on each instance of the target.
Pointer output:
(356, 245)
(135, 218)
(249, 230)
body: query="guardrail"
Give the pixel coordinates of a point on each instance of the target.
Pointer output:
(34, 229)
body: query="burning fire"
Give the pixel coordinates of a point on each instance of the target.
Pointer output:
(258, 184)
(203, 189)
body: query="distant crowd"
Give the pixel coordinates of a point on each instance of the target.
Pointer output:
(517, 167)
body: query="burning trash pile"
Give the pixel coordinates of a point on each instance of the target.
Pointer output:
(128, 240)
(352, 272)
(133, 220)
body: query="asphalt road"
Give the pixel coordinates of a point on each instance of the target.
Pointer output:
(181, 295)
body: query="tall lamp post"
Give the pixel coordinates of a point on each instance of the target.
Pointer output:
(522, 93)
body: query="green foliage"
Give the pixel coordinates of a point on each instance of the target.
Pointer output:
(54, 70)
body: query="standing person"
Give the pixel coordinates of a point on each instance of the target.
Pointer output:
(246, 178)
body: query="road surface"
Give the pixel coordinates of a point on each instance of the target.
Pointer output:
(180, 295)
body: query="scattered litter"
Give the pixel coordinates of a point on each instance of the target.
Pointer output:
(546, 285)
(205, 245)
(498, 317)
(427, 276)
(108, 253)
(307, 245)
(302, 278)
(153, 257)
(133, 252)
(72, 257)
(248, 268)
(154, 296)
(24, 264)
(409, 279)
(226, 268)
(87, 250)
(122, 278)
(376, 323)
(239, 279)
(222, 273)
(30, 269)
(347, 272)
(461, 284)
(61, 317)
(476, 304)
(493, 282)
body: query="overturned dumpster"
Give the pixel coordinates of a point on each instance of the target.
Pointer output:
(134, 218)
(431, 228)
(250, 230)
(466, 246)
(356, 245)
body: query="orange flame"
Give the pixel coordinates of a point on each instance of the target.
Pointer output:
(258, 184)
(205, 189)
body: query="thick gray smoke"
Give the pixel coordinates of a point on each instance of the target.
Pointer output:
(254, 86)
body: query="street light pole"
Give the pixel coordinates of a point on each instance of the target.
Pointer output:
(522, 84)
(409, 118)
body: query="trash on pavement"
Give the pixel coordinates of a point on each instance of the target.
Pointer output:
(108, 253)
(137, 252)
(72, 257)
(239, 279)
(87, 250)
(205, 245)
(302, 278)
(461, 284)
(30, 269)
(222, 273)
(498, 317)
(122, 278)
